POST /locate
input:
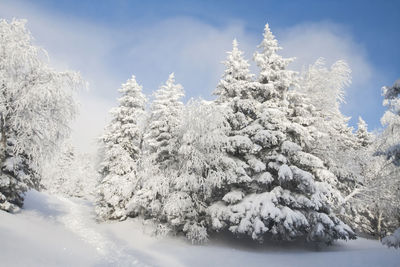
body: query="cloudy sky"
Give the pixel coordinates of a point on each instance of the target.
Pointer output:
(108, 41)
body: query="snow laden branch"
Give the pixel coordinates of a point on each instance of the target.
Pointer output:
(37, 104)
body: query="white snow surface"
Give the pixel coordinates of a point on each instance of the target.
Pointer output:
(55, 231)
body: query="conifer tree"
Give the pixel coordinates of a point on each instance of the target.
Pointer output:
(237, 77)
(277, 188)
(161, 148)
(166, 110)
(274, 78)
(199, 170)
(364, 136)
(122, 149)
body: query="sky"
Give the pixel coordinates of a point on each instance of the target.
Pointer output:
(109, 41)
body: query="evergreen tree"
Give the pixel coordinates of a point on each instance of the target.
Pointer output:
(166, 110)
(37, 104)
(365, 138)
(274, 78)
(122, 149)
(237, 77)
(161, 148)
(277, 188)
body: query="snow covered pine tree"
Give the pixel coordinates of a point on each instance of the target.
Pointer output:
(199, 170)
(36, 105)
(160, 151)
(389, 147)
(122, 149)
(276, 188)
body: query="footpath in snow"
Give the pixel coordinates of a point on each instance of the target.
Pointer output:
(55, 231)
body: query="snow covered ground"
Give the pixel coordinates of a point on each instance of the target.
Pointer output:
(55, 231)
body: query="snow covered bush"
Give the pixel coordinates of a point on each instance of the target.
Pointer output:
(121, 150)
(392, 240)
(37, 104)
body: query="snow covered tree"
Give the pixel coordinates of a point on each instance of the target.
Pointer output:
(275, 187)
(58, 175)
(375, 204)
(166, 110)
(335, 143)
(160, 150)
(122, 149)
(36, 105)
(365, 138)
(70, 174)
(349, 156)
(274, 77)
(236, 78)
(325, 87)
(390, 146)
(200, 169)
(387, 181)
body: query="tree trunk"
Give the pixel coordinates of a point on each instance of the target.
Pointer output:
(379, 226)
(3, 140)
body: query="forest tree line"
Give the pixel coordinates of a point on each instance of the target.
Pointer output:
(271, 157)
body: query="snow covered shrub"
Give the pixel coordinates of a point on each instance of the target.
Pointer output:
(393, 240)
(37, 104)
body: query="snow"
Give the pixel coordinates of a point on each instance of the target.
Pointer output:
(55, 231)
(393, 240)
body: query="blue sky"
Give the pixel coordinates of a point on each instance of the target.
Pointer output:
(107, 41)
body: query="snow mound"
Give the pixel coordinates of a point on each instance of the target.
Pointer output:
(392, 240)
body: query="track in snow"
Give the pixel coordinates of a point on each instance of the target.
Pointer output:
(78, 217)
